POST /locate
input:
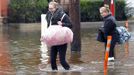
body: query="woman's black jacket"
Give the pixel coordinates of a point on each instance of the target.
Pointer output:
(57, 17)
(110, 27)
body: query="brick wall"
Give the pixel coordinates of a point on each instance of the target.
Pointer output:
(3, 7)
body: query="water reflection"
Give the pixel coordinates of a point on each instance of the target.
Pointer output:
(5, 61)
(24, 49)
(44, 54)
(61, 73)
(75, 58)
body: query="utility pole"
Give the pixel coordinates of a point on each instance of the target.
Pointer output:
(112, 7)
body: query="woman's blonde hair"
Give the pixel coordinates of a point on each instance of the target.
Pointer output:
(55, 4)
(105, 8)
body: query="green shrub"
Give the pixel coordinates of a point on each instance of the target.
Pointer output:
(90, 10)
(30, 10)
(26, 10)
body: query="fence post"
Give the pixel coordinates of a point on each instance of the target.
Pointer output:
(43, 49)
(109, 38)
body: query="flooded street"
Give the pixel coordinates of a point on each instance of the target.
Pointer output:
(20, 54)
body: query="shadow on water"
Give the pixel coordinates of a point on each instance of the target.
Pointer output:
(5, 61)
(24, 50)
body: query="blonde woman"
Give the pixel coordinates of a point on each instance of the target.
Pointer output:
(53, 17)
(109, 29)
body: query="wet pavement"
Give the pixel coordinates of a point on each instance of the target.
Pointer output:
(20, 54)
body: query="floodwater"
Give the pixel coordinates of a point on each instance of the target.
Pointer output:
(20, 54)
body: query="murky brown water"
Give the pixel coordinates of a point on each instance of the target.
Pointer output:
(20, 48)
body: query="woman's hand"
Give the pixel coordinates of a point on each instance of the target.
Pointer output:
(59, 23)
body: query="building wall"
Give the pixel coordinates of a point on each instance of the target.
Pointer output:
(3, 8)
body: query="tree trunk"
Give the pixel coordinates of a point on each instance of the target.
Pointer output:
(73, 8)
(75, 18)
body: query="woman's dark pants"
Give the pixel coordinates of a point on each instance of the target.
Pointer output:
(61, 49)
